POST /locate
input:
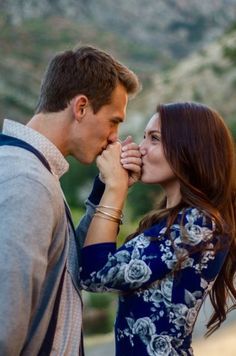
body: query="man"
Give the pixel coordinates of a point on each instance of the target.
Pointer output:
(82, 101)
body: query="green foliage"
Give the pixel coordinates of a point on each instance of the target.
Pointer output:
(197, 95)
(218, 69)
(99, 300)
(77, 182)
(99, 313)
(229, 52)
(77, 215)
(233, 127)
(142, 198)
(195, 27)
(12, 100)
(231, 28)
(126, 229)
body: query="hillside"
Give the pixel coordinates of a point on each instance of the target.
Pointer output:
(149, 35)
(207, 76)
(142, 22)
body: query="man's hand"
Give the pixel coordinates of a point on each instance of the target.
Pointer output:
(131, 159)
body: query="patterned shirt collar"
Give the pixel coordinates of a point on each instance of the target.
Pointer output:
(52, 154)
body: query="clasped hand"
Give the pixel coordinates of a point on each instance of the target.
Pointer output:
(120, 162)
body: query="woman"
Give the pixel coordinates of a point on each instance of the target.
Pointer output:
(181, 252)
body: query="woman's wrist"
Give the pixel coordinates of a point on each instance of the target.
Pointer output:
(117, 185)
(114, 196)
(116, 190)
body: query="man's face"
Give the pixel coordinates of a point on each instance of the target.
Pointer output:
(96, 131)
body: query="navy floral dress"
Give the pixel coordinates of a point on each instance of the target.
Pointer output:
(157, 307)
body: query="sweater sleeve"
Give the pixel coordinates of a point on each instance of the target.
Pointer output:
(148, 257)
(91, 203)
(26, 230)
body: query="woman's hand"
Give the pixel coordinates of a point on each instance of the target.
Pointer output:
(131, 160)
(111, 170)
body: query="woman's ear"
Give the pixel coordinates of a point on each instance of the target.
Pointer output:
(79, 105)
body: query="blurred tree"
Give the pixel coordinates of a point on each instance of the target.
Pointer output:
(142, 199)
(233, 128)
(77, 182)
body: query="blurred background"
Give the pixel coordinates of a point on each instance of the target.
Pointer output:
(180, 49)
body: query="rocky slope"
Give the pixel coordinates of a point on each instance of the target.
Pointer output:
(175, 26)
(151, 36)
(207, 76)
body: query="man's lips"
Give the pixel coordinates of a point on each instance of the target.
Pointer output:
(102, 149)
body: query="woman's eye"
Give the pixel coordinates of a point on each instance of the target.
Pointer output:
(155, 138)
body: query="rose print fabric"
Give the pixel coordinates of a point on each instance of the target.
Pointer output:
(157, 306)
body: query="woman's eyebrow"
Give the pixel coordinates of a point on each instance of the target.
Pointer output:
(152, 131)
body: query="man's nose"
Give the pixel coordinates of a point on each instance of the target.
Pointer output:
(113, 137)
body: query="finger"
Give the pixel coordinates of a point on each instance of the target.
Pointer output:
(133, 168)
(98, 163)
(128, 140)
(131, 153)
(132, 159)
(130, 146)
(132, 162)
(113, 149)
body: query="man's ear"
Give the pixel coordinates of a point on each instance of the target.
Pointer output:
(79, 106)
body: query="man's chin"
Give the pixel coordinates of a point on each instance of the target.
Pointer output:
(89, 161)
(85, 160)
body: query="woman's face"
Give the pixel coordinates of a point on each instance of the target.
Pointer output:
(155, 168)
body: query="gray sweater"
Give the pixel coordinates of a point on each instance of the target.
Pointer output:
(35, 245)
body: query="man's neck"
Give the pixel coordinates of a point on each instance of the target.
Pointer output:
(53, 126)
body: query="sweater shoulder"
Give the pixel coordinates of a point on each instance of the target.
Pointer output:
(25, 170)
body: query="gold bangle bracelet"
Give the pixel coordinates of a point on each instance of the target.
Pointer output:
(110, 207)
(117, 221)
(108, 214)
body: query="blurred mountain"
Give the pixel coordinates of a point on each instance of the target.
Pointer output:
(208, 76)
(148, 35)
(149, 22)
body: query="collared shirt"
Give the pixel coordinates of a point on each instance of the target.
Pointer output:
(56, 160)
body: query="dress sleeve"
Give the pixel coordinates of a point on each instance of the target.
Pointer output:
(91, 203)
(148, 257)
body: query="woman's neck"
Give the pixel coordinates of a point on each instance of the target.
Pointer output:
(173, 196)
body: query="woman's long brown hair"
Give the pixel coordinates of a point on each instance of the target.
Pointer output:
(201, 152)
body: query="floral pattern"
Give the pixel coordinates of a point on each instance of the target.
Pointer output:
(158, 316)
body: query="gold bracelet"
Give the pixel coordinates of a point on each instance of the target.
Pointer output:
(108, 214)
(118, 221)
(110, 207)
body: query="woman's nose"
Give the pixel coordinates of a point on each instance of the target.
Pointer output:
(142, 148)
